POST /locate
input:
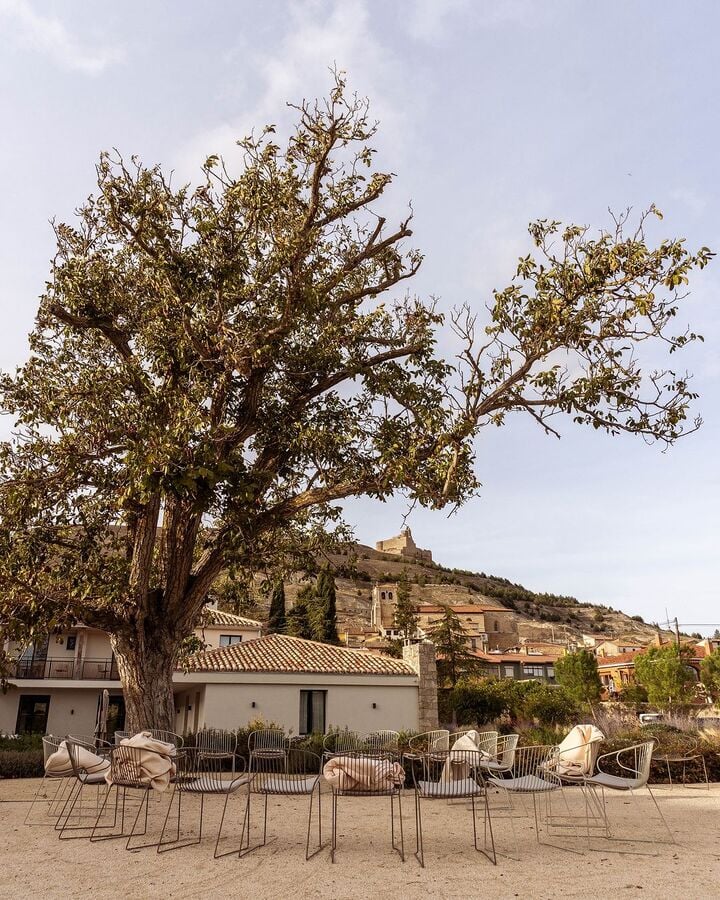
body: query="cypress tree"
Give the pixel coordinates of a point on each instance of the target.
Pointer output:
(323, 609)
(298, 618)
(405, 618)
(277, 620)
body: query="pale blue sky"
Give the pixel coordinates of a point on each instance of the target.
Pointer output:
(492, 114)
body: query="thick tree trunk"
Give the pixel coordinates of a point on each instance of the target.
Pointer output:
(146, 678)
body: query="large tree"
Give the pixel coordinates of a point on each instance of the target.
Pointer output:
(451, 646)
(323, 609)
(405, 618)
(277, 616)
(212, 368)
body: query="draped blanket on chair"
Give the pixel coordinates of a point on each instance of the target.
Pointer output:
(349, 773)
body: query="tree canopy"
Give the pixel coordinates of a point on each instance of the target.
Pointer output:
(666, 674)
(710, 674)
(451, 646)
(277, 617)
(213, 367)
(405, 618)
(578, 674)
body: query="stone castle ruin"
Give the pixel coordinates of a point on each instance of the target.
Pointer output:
(404, 545)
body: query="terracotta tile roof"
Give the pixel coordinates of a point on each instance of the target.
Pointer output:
(281, 653)
(619, 660)
(527, 658)
(220, 617)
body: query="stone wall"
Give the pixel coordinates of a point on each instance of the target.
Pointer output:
(422, 658)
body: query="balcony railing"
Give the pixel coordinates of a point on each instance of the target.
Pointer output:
(84, 669)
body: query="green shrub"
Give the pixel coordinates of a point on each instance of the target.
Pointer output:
(550, 706)
(21, 764)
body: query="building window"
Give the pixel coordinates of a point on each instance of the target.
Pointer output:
(535, 671)
(382, 595)
(509, 671)
(33, 712)
(551, 672)
(227, 640)
(312, 712)
(71, 642)
(389, 595)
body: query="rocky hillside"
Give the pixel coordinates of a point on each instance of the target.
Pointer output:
(539, 616)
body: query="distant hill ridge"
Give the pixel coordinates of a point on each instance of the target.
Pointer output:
(540, 616)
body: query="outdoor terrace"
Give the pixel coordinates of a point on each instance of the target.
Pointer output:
(69, 669)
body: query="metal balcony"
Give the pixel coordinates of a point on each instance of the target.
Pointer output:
(67, 669)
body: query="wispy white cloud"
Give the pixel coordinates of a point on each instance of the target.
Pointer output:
(319, 34)
(432, 21)
(46, 34)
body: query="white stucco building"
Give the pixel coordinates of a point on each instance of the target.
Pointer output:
(240, 677)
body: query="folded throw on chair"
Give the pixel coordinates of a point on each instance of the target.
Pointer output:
(575, 755)
(152, 764)
(349, 773)
(463, 756)
(58, 763)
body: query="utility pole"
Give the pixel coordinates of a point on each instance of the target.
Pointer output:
(677, 632)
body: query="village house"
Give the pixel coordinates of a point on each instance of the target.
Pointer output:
(520, 665)
(56, 685)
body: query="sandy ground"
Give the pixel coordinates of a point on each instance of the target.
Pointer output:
(34, 863)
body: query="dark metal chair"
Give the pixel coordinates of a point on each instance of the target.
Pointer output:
(295, 773)
(132, 769)
(382, 741)
(366, 775)
(337, 743)
(62, 777)
(203, 772)
(89, 768)
(266, 743)
(451, 775)
(692, 754)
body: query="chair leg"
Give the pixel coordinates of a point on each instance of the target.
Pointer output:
(164, 846)
(664, 821)
(419, 850)
(333, 840)
(35, 798)
(308, 854)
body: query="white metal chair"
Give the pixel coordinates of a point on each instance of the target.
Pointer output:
(633, 763)
(338, 743)
(428, 741)
(503, 758)
(382, 741)
(451, 775)
(89, 768)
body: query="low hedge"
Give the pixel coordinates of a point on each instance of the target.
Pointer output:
(21, 764)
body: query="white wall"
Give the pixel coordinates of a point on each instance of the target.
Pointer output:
(348, 705)
(71, 711)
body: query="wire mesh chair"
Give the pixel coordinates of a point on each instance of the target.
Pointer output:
(167, 737)
(296, 773)
(692, 754)
(382, 741)
(88, 769)
(266, 743)
(503, 759)
(133, 769)
(338, 743)
(216, 742)
(634, 765)
(202, 772)
(487, 742)
(451, 775)
(366, 775)
(121, 736)
(61, 776)
(429, 741)
(533, 773)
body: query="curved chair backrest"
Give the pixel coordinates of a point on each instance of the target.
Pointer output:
(267, 740)
(90, 742)
(430, 740)
(535, 761)
(121, 735)
(202, 770)
(50, 745)
(342, 742)
(505, 750)
(635, 761)
(211, 740)
(488, 742)
(448, 773)
(167, 737)
(131, 767)
(387, 741)
(295, 772)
